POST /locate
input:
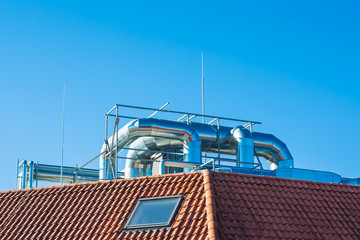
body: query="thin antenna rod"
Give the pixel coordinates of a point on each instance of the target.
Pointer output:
(62, 138)
(202, 86)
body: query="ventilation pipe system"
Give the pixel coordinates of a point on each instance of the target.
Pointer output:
(146, 135)
(138, 163)
(232, 140)
(149, 127)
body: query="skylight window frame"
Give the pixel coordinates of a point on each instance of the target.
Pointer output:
(154, 225)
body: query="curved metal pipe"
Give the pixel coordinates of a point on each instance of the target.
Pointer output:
(153, 128)
(265, 145)
(137, 168)
(239, 139)
(161, 135)
(272, 149)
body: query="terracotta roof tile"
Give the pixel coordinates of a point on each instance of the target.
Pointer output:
(215, 206)
(254, 207)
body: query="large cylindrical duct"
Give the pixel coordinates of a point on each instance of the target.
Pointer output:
(138, 162)
(237, 141)
(213, 137)
(245, 147)
(163, 135)
(149, 127)
(272, 149)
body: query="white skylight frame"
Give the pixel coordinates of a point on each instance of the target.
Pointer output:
(154, 225)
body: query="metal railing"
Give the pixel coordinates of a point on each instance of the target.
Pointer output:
(115, 112)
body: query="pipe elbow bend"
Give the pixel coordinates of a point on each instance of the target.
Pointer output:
(241, 133)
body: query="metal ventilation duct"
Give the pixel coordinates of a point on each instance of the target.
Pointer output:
(163, 135)
(272, 149)
(139, 163)
(245, 147)
(149, 127)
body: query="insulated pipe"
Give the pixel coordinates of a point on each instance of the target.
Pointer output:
(272, 149)
(153, 128)
(161, 135)
(137, 168)
(265, 145)
(208, 134)
(237, 141)
(245, 147)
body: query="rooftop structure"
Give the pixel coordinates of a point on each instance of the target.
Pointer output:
(182, 179)
(177, 142)
(214, 205)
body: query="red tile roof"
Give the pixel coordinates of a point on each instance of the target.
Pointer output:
(215, 206)
(258, 207)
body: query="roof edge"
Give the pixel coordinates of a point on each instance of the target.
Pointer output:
(210, 206)
(99, 182)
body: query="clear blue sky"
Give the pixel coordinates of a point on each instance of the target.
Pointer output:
(293, 65)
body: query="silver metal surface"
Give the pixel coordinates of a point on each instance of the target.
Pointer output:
(134, 166)
(272, 149)
(31, 173)
(24, 173)
(153, 128)
(245, 147)
(237, 141)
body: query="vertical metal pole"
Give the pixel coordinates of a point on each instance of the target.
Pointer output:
(106, 126)
(202, 86)
(31, 174)
(62, 139)
(116, 150)
(103, 164)
(168, 112)
(218, 130)
(76, 170)
(23, 180)
(37, 172)
(203, 100)
(17, 174)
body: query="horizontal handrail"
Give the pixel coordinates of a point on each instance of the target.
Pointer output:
(180, 112)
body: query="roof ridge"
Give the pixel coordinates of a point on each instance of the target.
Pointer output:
(99, 182)
(210, 205)
(287, 179)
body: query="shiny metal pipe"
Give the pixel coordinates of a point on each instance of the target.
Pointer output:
(272, 149)
(245, 147)
(265, 145)
(137, 168)
(31, 173)
(163, 135)
(23, 180)
(232, 141)
(152, 128)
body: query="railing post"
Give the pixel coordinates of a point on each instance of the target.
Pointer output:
(31, 174)
(23, 180)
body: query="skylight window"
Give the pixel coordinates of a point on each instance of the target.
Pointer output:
(154, 212)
